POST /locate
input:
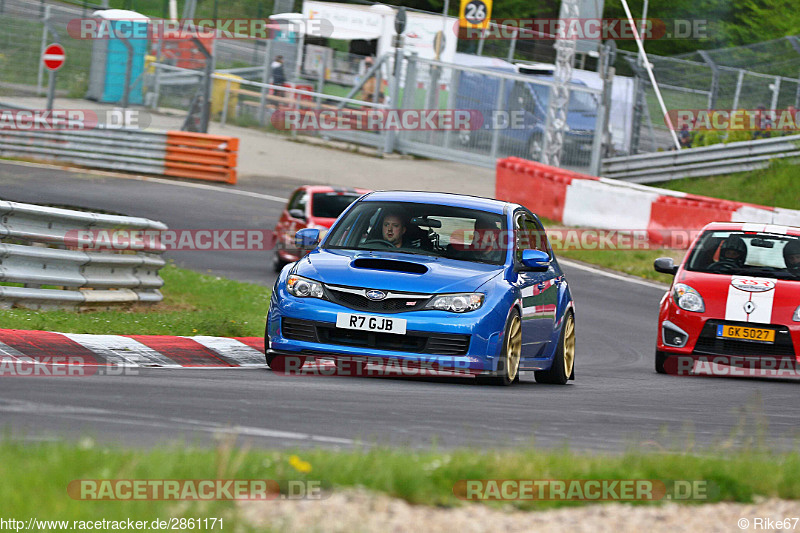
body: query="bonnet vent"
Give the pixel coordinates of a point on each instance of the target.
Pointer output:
(389, 264)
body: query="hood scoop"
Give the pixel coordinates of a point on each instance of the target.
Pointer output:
(389, 264)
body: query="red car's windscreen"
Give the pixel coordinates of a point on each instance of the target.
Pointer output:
(330, 204)
(746, 253)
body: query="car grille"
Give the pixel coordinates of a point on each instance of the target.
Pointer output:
(359, 302)
(298, 330)
(412, 341)
(709, 344)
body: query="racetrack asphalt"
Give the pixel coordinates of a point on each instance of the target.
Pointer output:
(616, 402)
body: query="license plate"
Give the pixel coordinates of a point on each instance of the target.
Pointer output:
(747, 334)
(371, 323)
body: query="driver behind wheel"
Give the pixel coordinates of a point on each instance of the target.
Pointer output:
(393, 228)
(733, 253)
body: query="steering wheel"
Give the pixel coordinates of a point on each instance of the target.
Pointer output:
(383, 242)
(722, 267)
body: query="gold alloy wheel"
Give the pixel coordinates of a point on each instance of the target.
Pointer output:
(569, 345)
(514, 347)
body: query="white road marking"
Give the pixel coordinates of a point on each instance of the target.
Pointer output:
(108, 416)
(620, 277)
(160, 181)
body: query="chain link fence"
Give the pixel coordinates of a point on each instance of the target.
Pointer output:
(174, 77)
(763, 75)
(23, 36)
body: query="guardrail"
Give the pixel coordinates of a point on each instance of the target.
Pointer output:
(166, 153)
(34, 252)
(712, 160)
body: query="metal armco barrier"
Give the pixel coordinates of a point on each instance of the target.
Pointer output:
(579, 200)
(34, 242)
(712, 160)
(167, 153)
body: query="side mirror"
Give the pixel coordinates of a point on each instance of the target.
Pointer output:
(535, 260)
(306, 238)
(297, 213)
(665, 265)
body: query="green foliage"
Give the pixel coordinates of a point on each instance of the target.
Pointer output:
(34, 476)
(759, 20)
(776, 186)
(727, 22)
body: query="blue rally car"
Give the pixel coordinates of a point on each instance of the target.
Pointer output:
(445, 280)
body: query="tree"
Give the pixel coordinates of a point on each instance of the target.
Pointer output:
(762, 20)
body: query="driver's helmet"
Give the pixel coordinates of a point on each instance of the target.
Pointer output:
(791, 255)
(733, 250)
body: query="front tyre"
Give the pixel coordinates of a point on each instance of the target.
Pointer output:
(563, 366)
(280, 363)
(661, 359)
(508, 365)
(277, 262)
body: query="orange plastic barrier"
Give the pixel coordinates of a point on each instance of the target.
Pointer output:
(201, 156)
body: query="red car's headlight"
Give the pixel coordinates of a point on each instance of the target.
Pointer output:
(687, 298)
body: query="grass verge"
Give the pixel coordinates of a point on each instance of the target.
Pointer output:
(36, 476)
(194, 304)
(633, 262)
(775, 186)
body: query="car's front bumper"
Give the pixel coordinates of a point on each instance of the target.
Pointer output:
(686, 338)
(483, 327)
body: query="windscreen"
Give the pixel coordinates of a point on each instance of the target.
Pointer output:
(331, 204)
(422, 229)
(746, 253)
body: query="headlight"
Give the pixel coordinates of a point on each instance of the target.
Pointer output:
(796, 316)
(687, 298)
(303, 287)
(457, 303)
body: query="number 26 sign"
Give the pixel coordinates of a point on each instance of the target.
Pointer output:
(475, 13)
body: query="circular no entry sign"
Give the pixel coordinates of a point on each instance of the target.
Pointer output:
(54, 57)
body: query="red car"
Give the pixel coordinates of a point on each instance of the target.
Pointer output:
(310, 206)
(735, 300)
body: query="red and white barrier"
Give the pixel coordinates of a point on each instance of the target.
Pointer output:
(581, 200)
